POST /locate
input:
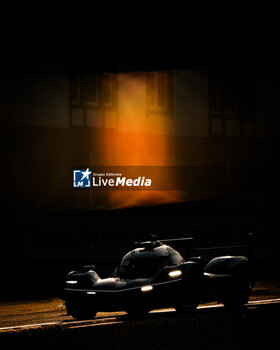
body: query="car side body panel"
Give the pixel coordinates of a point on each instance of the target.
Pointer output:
(155, 276)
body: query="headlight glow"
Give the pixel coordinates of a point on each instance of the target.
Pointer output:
(71, 282)
(146, 288)
(175, 273)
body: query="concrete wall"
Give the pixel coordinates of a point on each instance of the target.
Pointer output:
(41, 146)
(191, 115)
(42, 100)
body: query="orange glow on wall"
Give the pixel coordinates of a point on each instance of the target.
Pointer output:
(140, 139)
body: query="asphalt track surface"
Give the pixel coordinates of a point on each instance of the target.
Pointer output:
(43, 324)
(20, 315)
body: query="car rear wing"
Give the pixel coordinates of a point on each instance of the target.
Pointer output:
(182, 244)
(246, 249)
(186, 247)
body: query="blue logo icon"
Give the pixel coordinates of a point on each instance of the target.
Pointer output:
(81, 178)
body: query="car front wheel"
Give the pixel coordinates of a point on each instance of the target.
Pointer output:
(186, 309)
(78, 309)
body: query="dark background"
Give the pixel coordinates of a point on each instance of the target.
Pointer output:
(185, 35)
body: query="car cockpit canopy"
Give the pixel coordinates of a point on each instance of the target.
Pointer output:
(147, 260)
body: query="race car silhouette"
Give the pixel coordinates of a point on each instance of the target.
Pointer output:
(154, 275)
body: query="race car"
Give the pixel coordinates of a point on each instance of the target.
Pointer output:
(154, 275)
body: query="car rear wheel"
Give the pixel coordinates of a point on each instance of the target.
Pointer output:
(242, 293)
